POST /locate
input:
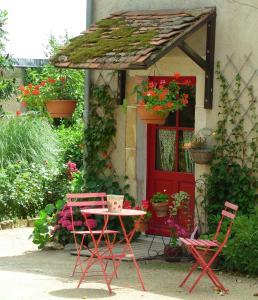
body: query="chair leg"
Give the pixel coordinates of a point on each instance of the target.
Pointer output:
(78, 258)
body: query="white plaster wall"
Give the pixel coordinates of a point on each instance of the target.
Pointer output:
(235, 34)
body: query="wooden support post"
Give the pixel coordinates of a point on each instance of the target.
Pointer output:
(209, 74)
(121, 85)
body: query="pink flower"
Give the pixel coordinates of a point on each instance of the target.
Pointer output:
(69, 227)
(91, 223)
(72, 166)
(78, 223)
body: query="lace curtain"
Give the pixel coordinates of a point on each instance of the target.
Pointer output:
(167, 140)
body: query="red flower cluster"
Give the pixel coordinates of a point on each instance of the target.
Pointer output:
(160, 98)
(36, 95)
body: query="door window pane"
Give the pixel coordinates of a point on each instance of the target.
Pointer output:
(185, 162)
(165, 150)
(187, 113)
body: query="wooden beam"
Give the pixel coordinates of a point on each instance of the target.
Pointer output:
(193, 55)
(121, 85)
(209, 74)
(178, 39)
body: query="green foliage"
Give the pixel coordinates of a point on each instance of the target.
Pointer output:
(71, 143)
(7, 84)
(42, 232)
(27, 138)
(26, 188)
(121, 38)
(242, 248)
(159, 197)
(230, 181)
(233, 173)
(98, 135)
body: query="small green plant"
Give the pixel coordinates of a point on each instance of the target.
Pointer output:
(159, 197)
(180, 200)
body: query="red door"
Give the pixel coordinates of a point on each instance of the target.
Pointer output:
(169, 167)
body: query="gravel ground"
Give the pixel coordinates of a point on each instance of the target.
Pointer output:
(29, 274)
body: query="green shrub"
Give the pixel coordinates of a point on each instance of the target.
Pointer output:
(241, 252)
(26, 188)
(71, 144)
(27, 138)
(230, 181)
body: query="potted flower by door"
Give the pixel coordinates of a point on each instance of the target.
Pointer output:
(159, 202)
(173, 251)
(57, 95)
(143, 224)
(155, 102)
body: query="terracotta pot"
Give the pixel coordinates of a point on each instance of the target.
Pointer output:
(150, 117)
(201, 156)
(173, 254)
(142, 226)
(161, 209)
(61, 108)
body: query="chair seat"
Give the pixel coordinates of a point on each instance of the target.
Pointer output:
(107, 231)
(202, 243)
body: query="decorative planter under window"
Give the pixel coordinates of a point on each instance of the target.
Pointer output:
(61, 108)
(150, 117)
(161, 209)
(201, 156)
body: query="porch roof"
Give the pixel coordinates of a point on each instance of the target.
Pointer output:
(132, 39)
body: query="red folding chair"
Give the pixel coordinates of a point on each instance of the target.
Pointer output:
(200, 248)
(79, 235)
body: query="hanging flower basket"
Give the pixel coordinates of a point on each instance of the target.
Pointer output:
(61, 108)
(201, 156)
(150, 117)
(156, 101)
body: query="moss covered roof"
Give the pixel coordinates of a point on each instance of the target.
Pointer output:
(131, 39)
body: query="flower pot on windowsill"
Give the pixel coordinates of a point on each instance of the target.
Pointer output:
(150, 116)
(161, 209)
(201, 156)
(61, 108)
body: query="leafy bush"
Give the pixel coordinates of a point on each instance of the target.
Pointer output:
(26, 188)
(7, 83)
(27, 138)
(229, 181)
(71, 143)
(242, 249)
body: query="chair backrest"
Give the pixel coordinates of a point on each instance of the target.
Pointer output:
(229, 212)
(73, 202)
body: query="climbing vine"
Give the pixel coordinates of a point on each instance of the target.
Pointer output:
(99, 174)
(233, 173)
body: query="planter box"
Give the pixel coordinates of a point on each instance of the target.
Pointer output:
(161, 209)
(201, 156)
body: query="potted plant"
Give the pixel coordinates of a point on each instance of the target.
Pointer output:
(173, 251)
(200, 149)
(159, 202)
(56, 94)
(157, 101)
(143, 225)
